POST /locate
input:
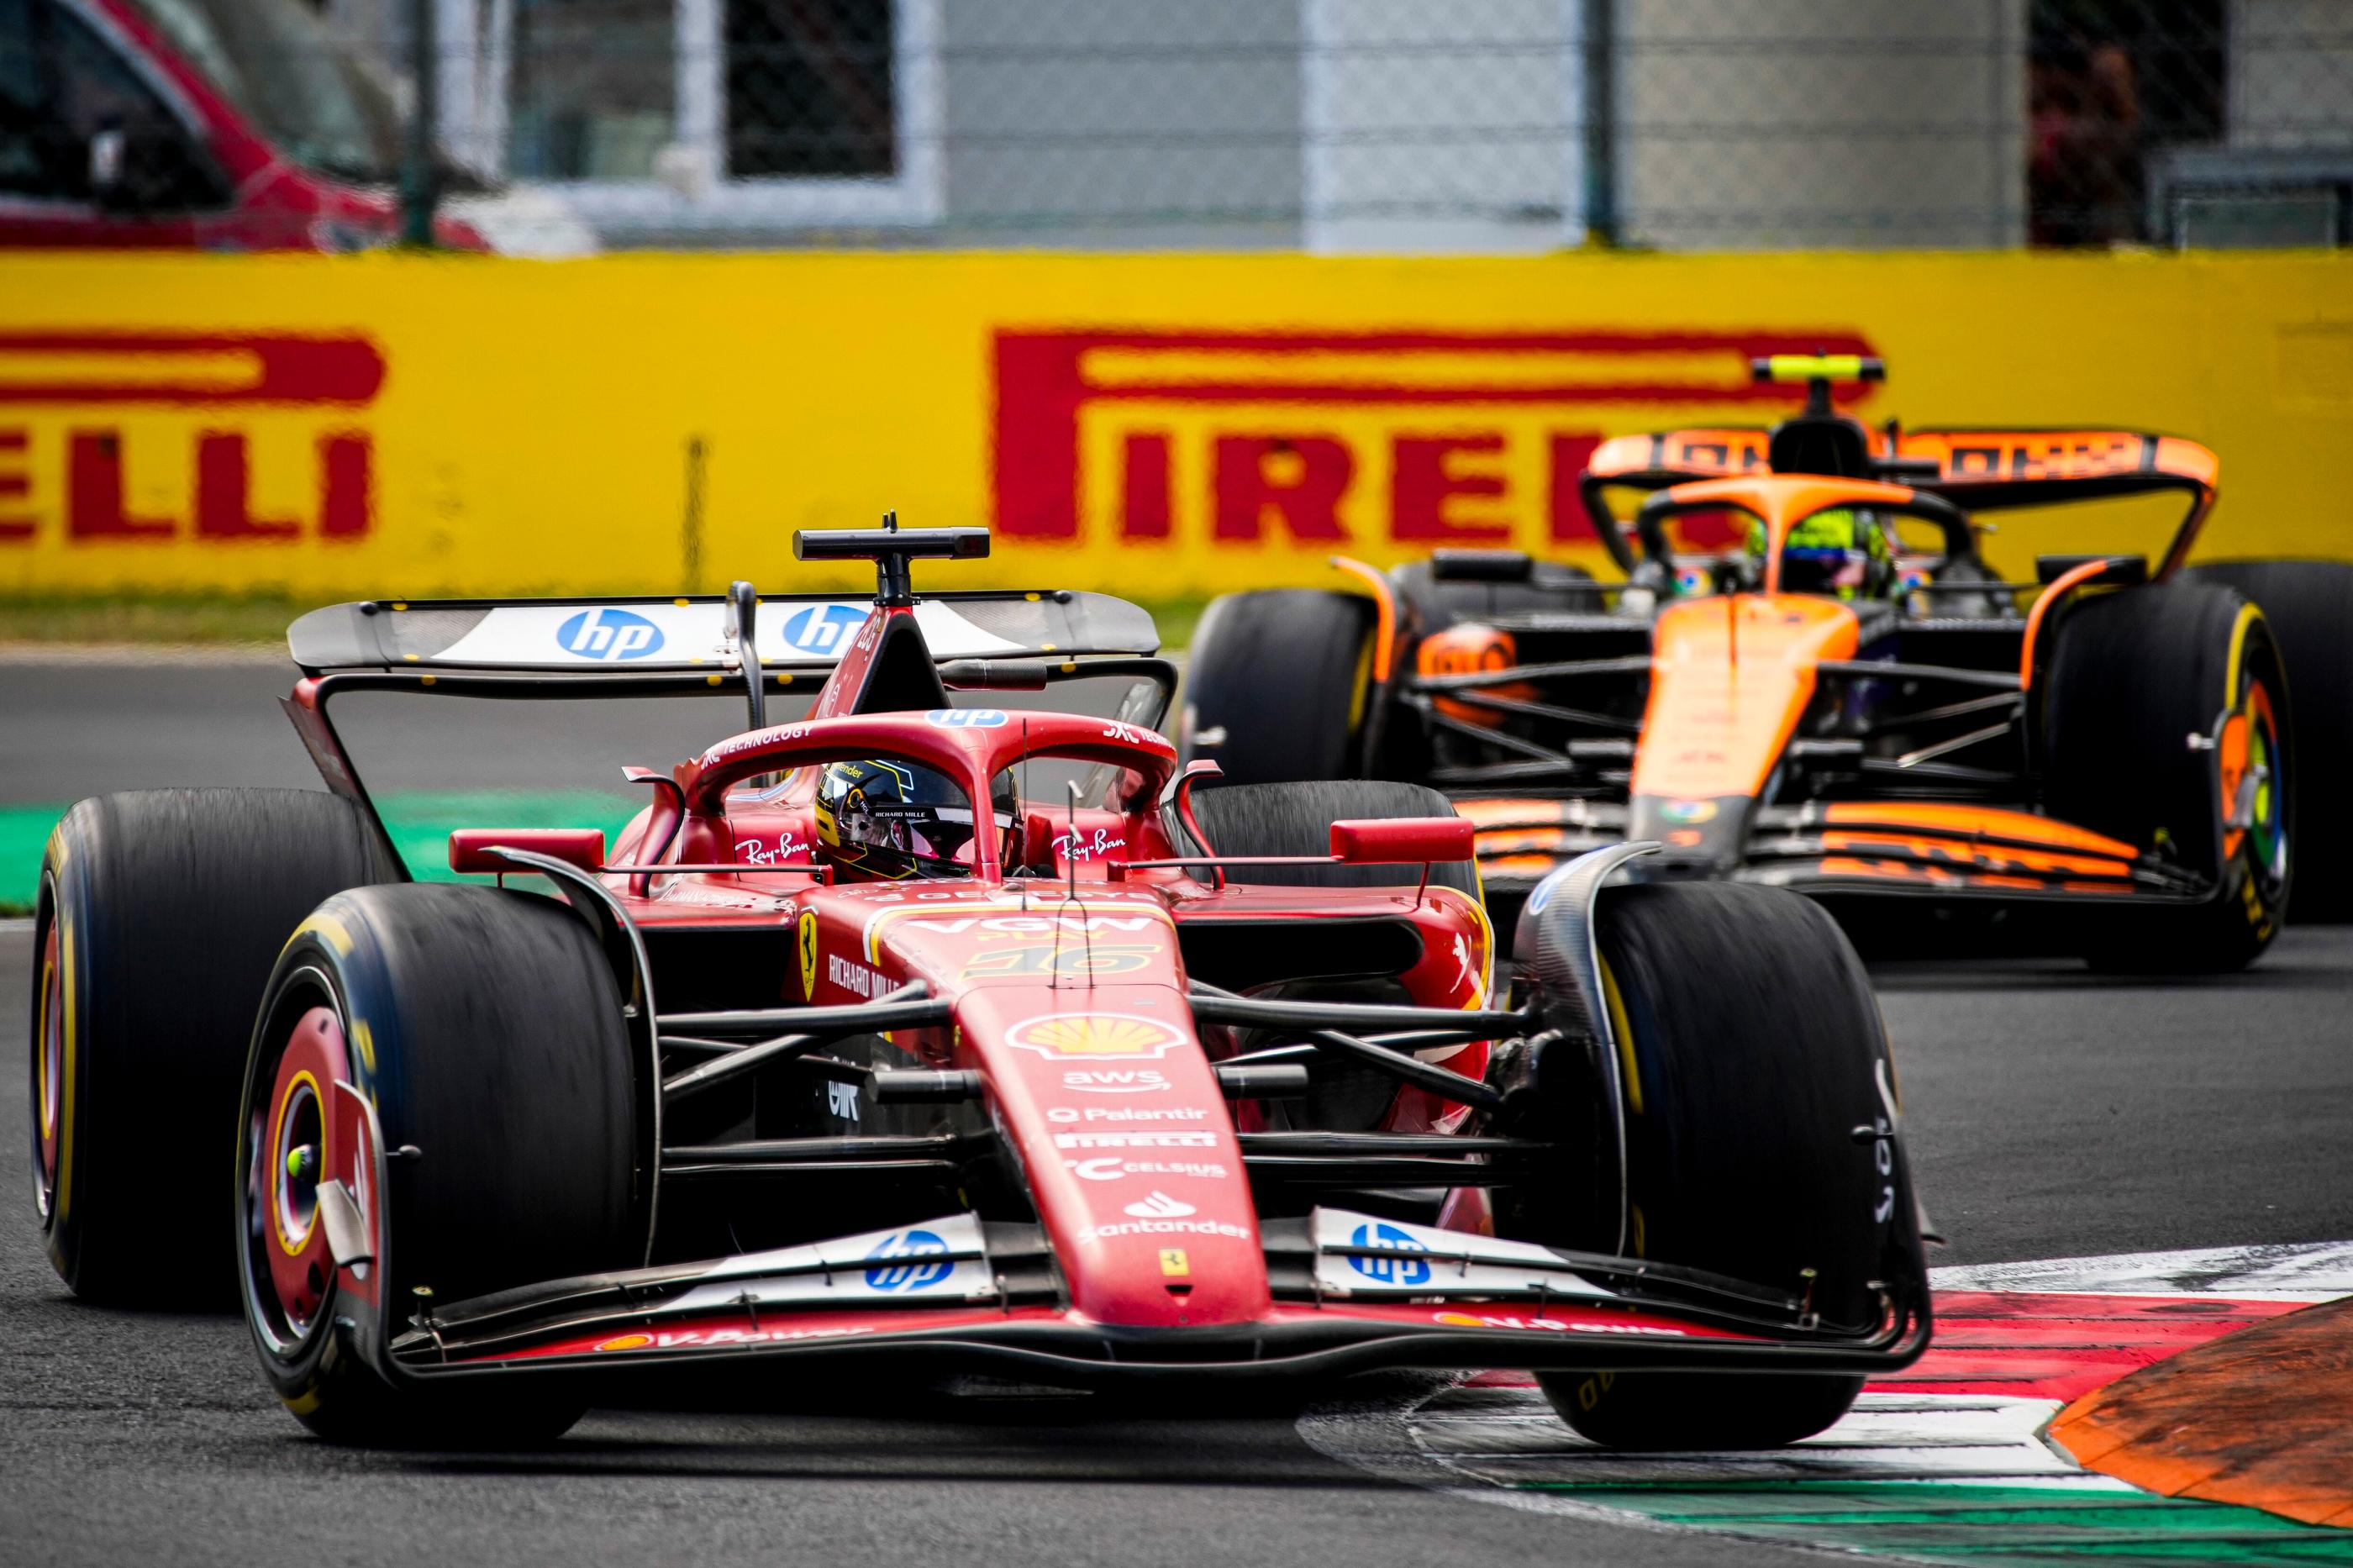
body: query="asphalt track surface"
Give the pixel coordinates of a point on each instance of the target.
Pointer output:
(2049, 1115)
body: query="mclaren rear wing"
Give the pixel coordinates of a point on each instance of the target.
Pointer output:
(1975, 469)
(689, 635)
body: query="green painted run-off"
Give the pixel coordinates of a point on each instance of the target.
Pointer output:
(420, 823)
(1984, 1523)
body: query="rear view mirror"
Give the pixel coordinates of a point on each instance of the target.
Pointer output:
(1401, 840)
(471, 848)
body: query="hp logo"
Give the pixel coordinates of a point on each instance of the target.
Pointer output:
(824, 629)
(1406, 1268)
(893, 1273)
(609, 634)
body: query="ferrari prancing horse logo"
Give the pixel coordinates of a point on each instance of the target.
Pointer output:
(807, 944)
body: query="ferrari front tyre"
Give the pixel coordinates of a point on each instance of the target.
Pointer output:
(1750, 1051)
(159, 914)
(1276, 685)
(2308, 604)
(2166, 724)
(441, 1074)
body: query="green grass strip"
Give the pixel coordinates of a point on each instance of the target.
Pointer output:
(420, 823)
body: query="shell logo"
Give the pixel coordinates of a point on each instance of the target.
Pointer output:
(1452, 1319)
(1116, 1034)
(628, 1342)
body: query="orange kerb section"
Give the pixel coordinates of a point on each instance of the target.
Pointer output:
(1731, 675)
(1966, 821)
(2262, 1418)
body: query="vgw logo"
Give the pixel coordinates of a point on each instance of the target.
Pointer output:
(896, 1275)
(1407, 1269)
(609, 634)
(820, 628)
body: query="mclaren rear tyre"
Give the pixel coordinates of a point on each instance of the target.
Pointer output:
(1276, 685)
(438, 1103)
(2308, 604)
(158, 917)
(1749, 1053)
(2166, 724)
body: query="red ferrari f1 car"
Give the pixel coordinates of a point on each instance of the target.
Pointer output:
(1811, 678)
(942, 1026)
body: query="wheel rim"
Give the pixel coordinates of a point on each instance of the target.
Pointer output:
(2253, 766)
(2267, 831)
(49, 1070)
(289, 1141)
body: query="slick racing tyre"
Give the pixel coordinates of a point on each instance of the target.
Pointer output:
(1750, 1050)
(1276, 685)
(441, 1073)
(158, 917)
(2166, 724)
(2308, 604)
(1297, 818)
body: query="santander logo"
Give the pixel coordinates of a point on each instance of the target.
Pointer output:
(1160, 1205)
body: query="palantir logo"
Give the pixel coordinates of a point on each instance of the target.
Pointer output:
(609, 634)
(822, 629)
(1401, 1270)
(895, 1275)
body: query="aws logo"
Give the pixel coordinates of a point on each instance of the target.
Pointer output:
(610, 635)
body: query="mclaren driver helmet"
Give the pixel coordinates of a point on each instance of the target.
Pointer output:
(1842, 551)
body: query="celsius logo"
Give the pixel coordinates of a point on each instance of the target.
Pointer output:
(609, 634)
(1405, 1270)
(1160, 1205)
(892, 1271)
(820, 628)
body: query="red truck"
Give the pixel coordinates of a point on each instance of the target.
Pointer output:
(225, 124)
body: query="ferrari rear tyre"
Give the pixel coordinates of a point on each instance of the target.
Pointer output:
(2166, 724)
(481, 1034)
(159, 914)
(2308, 604)
(1750, 1050)
(1297, 818)
(1276, 685)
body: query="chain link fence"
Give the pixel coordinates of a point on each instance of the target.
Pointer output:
(1475, 125)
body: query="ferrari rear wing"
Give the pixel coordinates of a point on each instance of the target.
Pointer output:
(688, 634)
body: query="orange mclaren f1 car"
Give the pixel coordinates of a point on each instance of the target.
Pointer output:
(1810, 677)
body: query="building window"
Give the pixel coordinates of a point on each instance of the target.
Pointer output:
(716, 113)
(809, 87)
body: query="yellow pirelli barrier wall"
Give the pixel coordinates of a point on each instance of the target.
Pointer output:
(1154, 426)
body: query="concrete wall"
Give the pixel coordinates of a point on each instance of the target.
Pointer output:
(1784, 124)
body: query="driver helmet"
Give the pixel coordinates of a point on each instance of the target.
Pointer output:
(1842, 551)
(897, 820)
